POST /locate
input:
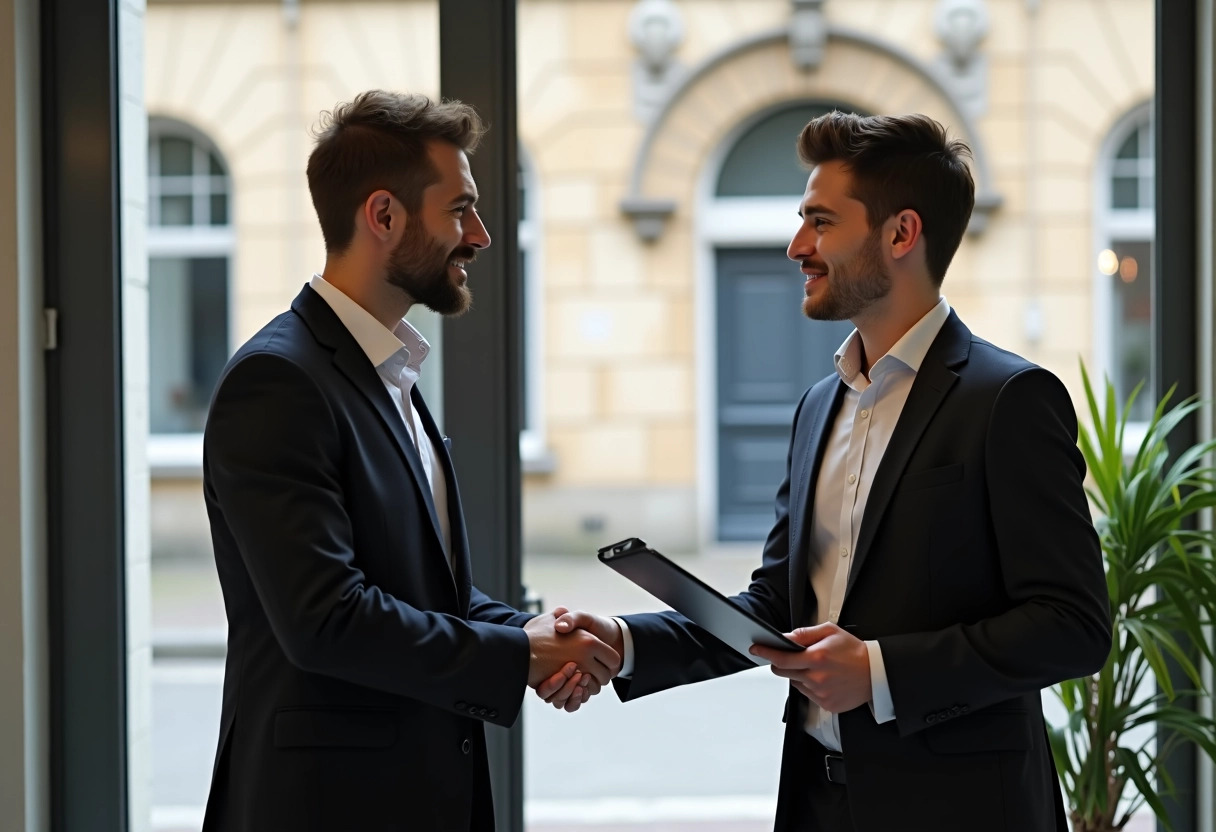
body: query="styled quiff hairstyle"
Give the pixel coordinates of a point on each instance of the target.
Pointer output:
(898, 163)
(379, 140)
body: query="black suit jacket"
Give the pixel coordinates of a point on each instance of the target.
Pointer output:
(978, 572)
(360, 666)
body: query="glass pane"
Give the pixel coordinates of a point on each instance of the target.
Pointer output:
(219, 209)
(188, 339)
(202, 308)
(1130, 149)
(1125, 192)
(763, 161)
(645, 438)
(176, 210)
(176, 157)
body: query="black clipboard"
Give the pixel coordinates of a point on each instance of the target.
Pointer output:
(688, 594)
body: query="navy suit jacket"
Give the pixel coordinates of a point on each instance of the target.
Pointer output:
(978, 571)
(360, 665)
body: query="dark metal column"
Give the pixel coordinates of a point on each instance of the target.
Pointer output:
(1175, 295)
(86, 569)
(481, 368)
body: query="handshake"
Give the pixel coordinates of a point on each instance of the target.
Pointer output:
(573, 655)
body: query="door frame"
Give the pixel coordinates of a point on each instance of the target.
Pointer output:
(737, 222)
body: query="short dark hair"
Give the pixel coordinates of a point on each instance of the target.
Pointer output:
(897, 163)
(379, 140)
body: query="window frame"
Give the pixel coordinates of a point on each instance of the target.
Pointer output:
(535, 455)
(1123, 225)
(180, 455)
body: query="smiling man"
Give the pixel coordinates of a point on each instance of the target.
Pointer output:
(362, 662)
(932, 550)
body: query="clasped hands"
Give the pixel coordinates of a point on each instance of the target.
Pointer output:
(573, 655)
(832, 670)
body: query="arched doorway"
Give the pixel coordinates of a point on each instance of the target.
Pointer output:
(767, 352)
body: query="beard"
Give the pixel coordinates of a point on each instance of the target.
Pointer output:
(419, 267)
(852, 286)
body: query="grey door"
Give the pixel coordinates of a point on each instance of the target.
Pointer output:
(768, 354)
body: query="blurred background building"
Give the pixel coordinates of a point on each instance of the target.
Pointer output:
(664, 345)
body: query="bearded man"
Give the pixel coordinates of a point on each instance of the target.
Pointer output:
(362, 662)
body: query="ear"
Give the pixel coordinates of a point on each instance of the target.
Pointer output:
(383, 215)
(906, 230)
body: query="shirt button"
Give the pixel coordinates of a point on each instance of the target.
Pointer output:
(865, 414)
(844, 551)
(852, 478)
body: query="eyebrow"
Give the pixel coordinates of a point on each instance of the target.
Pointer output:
(467, 196)
(816, 209)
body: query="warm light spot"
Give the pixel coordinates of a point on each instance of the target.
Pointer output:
(1108, 262)
(1128, 269)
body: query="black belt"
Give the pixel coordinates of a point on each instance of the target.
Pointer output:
(833, 764)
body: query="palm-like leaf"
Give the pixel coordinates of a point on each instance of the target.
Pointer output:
(1161, 577)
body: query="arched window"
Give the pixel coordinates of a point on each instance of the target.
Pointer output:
(746, 221)
(1125, 258)
(190, 241)
(762, 161)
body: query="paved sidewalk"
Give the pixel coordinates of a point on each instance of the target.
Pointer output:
(633, 772)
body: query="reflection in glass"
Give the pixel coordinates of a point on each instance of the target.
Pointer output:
(1132, 314)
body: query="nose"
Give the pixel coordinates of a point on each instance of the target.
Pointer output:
(475, 233)
(802, 246)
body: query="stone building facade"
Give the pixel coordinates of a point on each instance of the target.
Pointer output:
(630, 114)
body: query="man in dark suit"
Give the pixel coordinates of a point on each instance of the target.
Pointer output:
(362, 663)
(932, 551)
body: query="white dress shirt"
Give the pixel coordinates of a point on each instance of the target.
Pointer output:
(855, 447)
(397, 355)
(858, 440)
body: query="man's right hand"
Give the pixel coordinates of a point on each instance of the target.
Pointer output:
(553, 647)
(565, 691)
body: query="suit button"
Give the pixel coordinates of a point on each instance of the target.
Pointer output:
(931, 718)
(493, 714)
(460, 706)
(482, 711)
(964, 709)
(466, 747)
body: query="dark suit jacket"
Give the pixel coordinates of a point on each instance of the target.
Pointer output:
(977, 570)
(360, 667)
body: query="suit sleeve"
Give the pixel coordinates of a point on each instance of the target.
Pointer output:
(273, 460)
(671, 650)
(484, 608)
(1056, 625)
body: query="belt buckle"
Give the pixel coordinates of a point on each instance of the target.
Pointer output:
(827, 766)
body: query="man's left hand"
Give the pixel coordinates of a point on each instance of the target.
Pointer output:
(833, 670)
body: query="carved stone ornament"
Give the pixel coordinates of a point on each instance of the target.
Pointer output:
(808, 34)
(961, 26)
(656, 30)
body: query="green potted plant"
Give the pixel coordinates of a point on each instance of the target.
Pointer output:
(1161, 576)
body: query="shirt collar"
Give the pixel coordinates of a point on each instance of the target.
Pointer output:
(377, 342)
(910, 350)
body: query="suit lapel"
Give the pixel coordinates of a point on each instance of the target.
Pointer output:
(353, 363)
(929, 389)
(462, 570)
(823, 404)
